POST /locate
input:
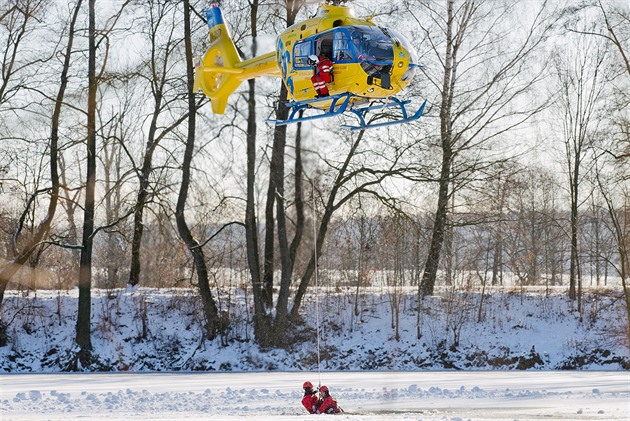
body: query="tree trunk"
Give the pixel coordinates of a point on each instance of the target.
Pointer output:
(83, 336)
(141, 199)
(211, 312)
(289, 254)
(261, 321)
(429, 276)
(261, 296)
(573, 272)
(276, 199)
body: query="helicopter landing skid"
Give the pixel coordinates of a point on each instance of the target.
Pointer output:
(340, 103)
(362, 113)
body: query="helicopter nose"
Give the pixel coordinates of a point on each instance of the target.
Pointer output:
(402, 68)
(409, 74)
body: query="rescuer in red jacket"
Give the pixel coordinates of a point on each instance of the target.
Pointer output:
(323, 74)
(328, 404)
(310, 399)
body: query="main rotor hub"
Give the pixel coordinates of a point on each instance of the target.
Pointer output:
(337, 2)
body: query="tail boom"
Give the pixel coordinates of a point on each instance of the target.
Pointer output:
(220, 71)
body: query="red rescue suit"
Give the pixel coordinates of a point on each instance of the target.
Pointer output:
(310, 402)
(328, 406)
(322, 76)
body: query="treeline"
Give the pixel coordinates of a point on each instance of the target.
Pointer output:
(521, 247)
(114, 172)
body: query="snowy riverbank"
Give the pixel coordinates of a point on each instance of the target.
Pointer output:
(144, 330)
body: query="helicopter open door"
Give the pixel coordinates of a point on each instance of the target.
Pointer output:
(324, 45)
(335, 45)
(342, 48)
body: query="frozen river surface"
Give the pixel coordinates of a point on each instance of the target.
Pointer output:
(429, 395)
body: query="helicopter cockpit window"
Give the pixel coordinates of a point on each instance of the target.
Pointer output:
(301, 51)
(341, 47)
(370, 43)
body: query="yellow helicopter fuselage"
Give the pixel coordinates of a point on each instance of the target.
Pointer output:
(356, 70)
(369, 62)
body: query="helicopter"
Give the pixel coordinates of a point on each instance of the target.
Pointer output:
(370, 64)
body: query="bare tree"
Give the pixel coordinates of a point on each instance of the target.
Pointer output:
(611, 164)
(618, 27)
(8, 270)
(271, 332)
(116, 172)
(530, 235)
(475, 107)
(83, 336)
(614, 188)
(19, 20)
(260, 297)
(580, 84)
(164, 41)
(83, 326)
(615, 29)
(211, 311)
(358, 167)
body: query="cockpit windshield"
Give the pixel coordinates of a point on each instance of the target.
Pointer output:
(405, 43)
(371, 43)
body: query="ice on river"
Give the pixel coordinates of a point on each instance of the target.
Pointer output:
(431, 395)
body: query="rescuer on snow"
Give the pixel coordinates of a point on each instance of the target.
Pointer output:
(328, 404)
(310, 399)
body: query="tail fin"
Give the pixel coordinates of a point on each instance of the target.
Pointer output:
(216, 73)
(221, 69)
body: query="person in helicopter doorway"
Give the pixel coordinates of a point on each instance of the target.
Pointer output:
(322, 74)
(310, 399)
(359, 44)
(328, 404)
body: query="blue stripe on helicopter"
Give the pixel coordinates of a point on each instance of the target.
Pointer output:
(214, 17)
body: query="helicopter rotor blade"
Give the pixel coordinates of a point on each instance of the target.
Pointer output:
(333, 2)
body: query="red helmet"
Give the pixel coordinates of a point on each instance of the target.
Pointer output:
(307, 385)
(323, 389)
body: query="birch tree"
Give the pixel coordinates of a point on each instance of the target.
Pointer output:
(581, 88)
(482, 70)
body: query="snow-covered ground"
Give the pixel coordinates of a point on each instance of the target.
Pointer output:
(151, 340)
(434, 395)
